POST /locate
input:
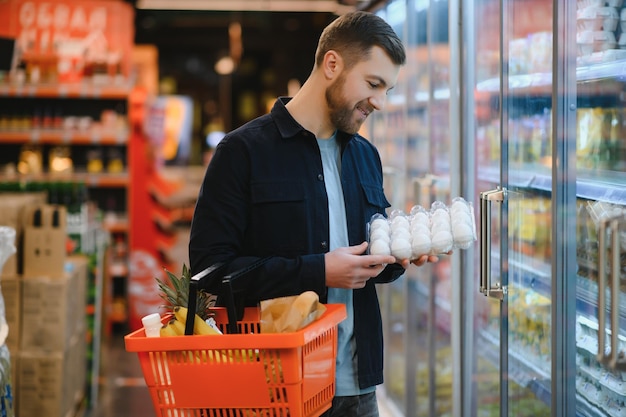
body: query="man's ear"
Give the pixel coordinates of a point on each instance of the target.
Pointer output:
(332, 64)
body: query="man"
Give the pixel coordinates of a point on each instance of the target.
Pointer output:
(299, 185)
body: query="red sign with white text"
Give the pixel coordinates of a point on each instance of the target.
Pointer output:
(89, 30)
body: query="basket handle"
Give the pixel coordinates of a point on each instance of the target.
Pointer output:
(194, 285)
(197, 282)
(231, 309)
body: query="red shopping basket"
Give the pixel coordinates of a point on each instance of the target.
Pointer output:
(248, 374)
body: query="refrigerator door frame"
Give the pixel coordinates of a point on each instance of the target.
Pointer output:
(563, 207)
(564, 262)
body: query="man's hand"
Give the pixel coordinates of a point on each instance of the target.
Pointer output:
(349, 268)
(421, 260)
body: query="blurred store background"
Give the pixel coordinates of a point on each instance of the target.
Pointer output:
(109, 111)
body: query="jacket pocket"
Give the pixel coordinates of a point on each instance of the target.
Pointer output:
(375, 197)
(279, 217)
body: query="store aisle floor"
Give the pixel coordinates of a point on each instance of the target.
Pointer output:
(123, 392)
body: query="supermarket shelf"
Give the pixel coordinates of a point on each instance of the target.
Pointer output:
(536, 274)
(522, 371)
(443, 307)
(613, 69)
(64, 137)
(541, 83)
(116, 226)
(608, 187)
(607, 381)
(76, 90)
(587, 409)
(168, 218)
(533, 84)
(101, 180)
(529, 375)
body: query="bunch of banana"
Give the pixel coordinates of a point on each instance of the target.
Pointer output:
(172, 328)
(176, 326)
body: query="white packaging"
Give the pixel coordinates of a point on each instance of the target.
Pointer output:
(152, 325)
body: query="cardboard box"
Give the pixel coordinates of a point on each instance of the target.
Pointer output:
(53, 309)
(11, 288)
(13, 207)
(51, 383)
(45, 232)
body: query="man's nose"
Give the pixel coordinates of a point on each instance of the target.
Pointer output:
(378, 101)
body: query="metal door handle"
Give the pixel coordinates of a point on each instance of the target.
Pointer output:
(614, 360)
(422, 187)
(486, 287)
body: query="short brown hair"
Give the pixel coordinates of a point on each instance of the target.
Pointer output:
(354, 34)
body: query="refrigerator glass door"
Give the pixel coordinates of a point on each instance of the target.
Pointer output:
(388, 133)
(412, 136)
(601, 204)
(526, 112)
(485, 337)
(513, 104)
(527, 163)
(428, 289)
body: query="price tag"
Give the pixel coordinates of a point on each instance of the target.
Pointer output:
(63, 91)
(96, 137)
(31, 91)
(35, 135)
(5, 89)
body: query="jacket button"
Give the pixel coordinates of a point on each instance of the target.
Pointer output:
(324, 244)
(320, 177)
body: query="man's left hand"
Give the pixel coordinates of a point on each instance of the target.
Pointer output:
(421, 260)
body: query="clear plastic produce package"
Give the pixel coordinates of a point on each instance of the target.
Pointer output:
(435, 230)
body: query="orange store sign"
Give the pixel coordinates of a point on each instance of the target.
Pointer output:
(40, 26)
(94, 30)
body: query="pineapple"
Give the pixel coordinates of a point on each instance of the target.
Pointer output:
(175, 292)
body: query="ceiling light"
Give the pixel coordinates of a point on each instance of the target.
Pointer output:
(225, 66)
(331, 6)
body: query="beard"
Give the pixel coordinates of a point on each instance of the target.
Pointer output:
(341, 112)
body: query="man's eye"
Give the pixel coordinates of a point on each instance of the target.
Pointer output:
(373, 85)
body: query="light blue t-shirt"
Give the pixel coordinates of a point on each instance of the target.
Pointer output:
(346, 375)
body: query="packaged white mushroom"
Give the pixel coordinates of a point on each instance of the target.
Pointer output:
(420, 232)
(379, 235)
(463, 223)
(424, 231)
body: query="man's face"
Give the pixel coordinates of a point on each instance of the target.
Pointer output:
(358, 91)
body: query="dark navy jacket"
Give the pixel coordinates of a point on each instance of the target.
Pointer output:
(264, 195)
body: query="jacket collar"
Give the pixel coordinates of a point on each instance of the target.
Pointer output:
(290, 128)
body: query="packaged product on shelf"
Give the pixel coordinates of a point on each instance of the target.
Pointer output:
(588, 136)
(115, 161)
(540, 47)
(597, 18)
(30, 160)
(60, 160)
(94, 161)
(7, 249)
(432, 231)
(518, 56)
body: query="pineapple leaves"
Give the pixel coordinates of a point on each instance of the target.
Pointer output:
(175, 292)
